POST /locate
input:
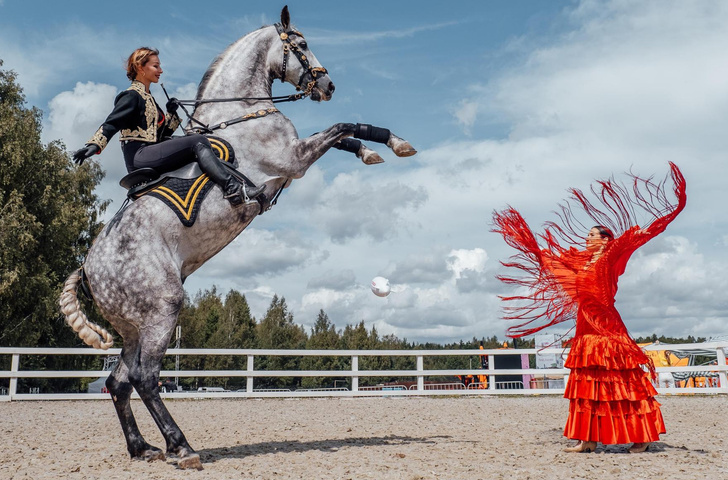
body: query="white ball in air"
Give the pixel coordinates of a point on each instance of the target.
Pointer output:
(380, 287)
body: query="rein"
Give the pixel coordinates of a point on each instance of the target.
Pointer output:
(288, 46)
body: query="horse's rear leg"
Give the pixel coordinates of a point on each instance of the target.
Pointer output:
(120, 389)
(147, 386)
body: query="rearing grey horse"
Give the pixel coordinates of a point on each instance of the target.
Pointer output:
(138, 264)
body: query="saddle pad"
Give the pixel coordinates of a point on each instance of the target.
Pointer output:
(184, 196)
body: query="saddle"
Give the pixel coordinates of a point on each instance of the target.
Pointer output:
(184, 189)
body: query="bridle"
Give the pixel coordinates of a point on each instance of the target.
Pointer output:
(288, 46)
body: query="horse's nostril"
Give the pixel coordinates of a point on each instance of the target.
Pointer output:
(332, 87)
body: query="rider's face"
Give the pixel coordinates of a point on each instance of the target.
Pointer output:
(151, 71)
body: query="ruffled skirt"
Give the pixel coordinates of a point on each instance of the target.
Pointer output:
(611, 398)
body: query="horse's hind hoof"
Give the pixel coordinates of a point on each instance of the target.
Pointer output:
(190, 462)
(400, 147)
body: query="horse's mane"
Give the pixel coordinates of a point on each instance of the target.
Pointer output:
(216, 61)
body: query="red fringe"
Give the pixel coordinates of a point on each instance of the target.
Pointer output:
(545, 272)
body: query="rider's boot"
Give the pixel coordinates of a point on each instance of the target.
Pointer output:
(234, 191)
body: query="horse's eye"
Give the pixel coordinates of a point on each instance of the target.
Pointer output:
(303, 45)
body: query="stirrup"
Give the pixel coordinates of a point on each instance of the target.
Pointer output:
(243, 194)
(251, 193)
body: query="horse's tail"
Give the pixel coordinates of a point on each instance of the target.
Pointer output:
(92, 334)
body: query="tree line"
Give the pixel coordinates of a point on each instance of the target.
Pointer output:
(211, 321)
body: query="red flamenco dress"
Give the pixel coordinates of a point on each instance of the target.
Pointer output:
(611, 398)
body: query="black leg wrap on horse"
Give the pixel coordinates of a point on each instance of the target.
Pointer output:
(349, 145)
(365, 131)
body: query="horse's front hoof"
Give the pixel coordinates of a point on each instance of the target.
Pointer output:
(189, 462)
(152, 454)
(370, 157)
(400, 147)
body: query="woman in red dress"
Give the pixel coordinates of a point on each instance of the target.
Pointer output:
(611, 398)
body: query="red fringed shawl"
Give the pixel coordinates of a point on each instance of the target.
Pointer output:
(561, 280)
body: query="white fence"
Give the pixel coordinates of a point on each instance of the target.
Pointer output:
(499, 381)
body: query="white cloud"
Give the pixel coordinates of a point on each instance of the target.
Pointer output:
(343, 37)
(466, 113)
(334, 280)
(75, 115)
(261, 252)
(356, 206)
(461, 260)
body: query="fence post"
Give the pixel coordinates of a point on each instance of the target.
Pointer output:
(420, 369)
(722, 377)
(491, 369)
(14, 367)
(354, 369)
(249, 380)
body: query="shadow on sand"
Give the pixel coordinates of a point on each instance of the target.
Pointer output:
(210, 455)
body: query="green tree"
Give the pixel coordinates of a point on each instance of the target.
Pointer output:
(277, 331)
(323, 337)
(198, 323)
(356, 337)
(235, 328)
(239, 324)
(48, 217)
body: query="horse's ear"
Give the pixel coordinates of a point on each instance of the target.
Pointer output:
(285, 18)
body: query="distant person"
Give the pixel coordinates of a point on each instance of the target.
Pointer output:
(665, 379)
(146, 130)
(611, 397)
(169, 386)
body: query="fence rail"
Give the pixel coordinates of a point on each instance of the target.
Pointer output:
(532, 381)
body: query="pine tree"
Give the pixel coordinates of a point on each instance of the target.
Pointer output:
(241, 322)
(277, 331)
(235, 328)
(323, 337)
(198, 323)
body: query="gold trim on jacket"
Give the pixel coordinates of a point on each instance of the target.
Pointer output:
(99, 139)
(150, 134)
(131, 122)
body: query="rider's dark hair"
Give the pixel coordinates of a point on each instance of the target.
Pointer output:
(137, 60)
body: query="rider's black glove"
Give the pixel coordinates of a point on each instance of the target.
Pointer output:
(82, 154)
(172, 105)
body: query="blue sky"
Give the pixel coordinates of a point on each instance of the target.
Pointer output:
(507, 103)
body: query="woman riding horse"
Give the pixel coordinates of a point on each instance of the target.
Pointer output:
(137, 271)
(146, 131)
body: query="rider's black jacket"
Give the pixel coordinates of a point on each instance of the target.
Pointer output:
(138, 117)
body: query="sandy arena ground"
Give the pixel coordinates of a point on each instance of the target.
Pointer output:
(369, 438)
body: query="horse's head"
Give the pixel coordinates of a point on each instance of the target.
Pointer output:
(304, 72)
